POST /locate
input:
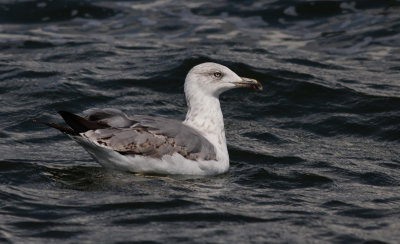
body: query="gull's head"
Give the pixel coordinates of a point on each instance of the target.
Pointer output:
(213, 79)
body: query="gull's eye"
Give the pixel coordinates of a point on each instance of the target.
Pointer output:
(218, 74)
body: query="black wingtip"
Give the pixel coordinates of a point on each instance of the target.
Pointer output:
(64, 113)
(61, 128)
(78, 123)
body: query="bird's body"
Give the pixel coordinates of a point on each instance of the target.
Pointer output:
(196, 146)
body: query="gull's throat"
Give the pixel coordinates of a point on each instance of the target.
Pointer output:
(205, 115)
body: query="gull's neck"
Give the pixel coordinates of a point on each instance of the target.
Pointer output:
(205, 115)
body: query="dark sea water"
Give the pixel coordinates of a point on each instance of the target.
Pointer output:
(315, 157)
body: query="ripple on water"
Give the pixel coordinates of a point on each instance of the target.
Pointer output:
(314, 157)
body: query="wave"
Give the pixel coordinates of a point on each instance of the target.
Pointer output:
(51, 11)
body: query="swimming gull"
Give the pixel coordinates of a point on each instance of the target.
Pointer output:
(145, 144)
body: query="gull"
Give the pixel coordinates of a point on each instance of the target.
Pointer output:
(145, 144)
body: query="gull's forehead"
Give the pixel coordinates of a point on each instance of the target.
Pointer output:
(205, 67)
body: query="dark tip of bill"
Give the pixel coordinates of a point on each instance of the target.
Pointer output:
(258, 86)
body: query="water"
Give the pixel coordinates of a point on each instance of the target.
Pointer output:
(314, 157)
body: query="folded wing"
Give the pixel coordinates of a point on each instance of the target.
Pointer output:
(140, 135)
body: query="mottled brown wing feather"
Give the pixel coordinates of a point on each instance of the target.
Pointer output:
(139, 141)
